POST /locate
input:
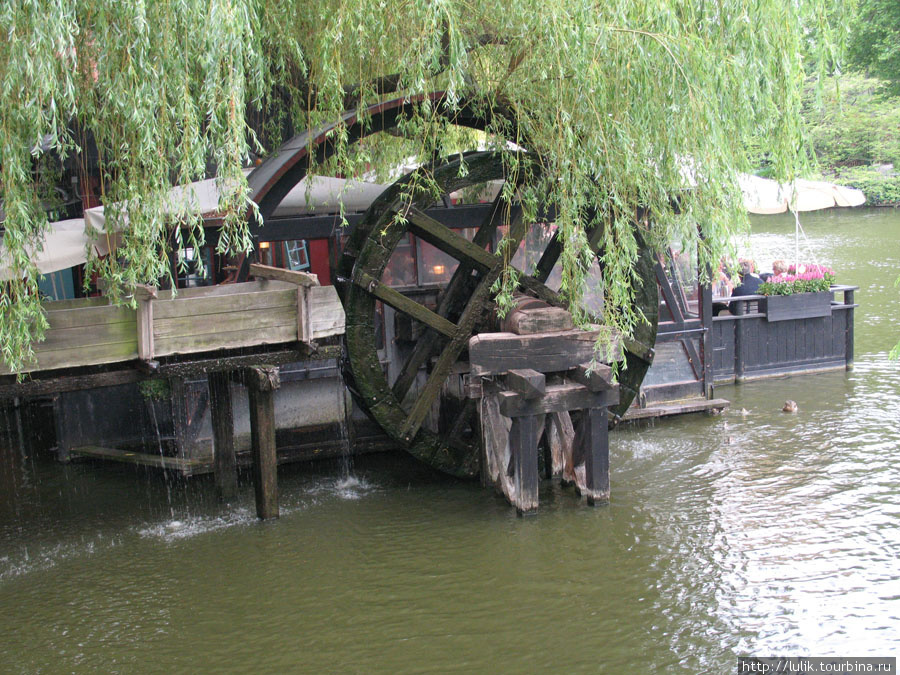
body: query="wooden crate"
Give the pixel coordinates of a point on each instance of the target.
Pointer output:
(224, 317)
(279, 307)
(85, 332)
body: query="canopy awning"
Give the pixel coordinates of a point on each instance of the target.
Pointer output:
(318, 195)
(65, 245)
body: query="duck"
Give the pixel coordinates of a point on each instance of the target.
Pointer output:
(790, 406)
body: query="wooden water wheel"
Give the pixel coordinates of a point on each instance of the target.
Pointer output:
(464, 307)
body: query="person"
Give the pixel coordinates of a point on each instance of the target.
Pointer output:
(749, 281)
(722, 288)
(778, 267)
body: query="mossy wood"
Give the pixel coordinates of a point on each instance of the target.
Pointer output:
(464, 309)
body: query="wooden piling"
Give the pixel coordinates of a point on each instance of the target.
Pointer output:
(523, 446)
(222, 417)
(261, 384)
(595, 436)
(63, 436)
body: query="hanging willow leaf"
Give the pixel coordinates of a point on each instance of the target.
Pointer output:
(620, 100)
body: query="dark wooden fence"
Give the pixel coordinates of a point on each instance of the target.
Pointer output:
(752, 342)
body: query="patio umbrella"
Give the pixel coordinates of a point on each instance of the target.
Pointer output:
(764, 196)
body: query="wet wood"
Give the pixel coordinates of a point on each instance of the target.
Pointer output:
(453, 300)
(276, 296)
(403, 304)
(62, 383)
(523, 438)
(145, 328)
(596, 377)
(261, 385)
(278, 274)
(531, 316)
(678, 408)
(249, 337)
(185, 466)
(560, 437)
(453, 349)
(448, 241)
(558, 398)
(528, 383)
(497, 353)
(90, 332)
(222, 417)
(325, 312)
(595, 440)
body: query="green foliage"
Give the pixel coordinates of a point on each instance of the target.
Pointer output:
(155, 389)
(880, 190)
(852, 122)
(796, 286)
(619, 100)
(874, 41)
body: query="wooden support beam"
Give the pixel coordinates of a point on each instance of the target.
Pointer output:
(261, 384)
(529, 383)
(523, 446)
(531, 316)
(223, 434)
(145, 328)
(304, 318)
(595, 437)
(278, 274)
(495, 353)
(442, 237)
(596, 377)
(63, 437)
(403, 304)
(558, 398)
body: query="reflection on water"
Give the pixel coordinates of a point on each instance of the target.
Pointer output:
(752, 531)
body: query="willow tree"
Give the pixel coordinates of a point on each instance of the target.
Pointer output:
(627, 103)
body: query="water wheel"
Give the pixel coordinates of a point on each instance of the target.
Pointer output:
(464, 308)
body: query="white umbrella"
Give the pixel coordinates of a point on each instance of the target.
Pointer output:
(764, 196)
(64, 245)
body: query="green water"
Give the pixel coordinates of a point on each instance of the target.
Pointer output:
(750, 532)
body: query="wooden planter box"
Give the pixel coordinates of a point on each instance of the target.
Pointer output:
(797, 306)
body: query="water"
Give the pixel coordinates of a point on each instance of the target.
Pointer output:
(753, 531)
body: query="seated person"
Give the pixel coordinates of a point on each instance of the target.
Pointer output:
(722, 288)
(749, 281)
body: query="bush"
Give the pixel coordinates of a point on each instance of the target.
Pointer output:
(855, 123)
(880, 190)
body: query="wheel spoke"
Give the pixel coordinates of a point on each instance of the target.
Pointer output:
(442, 237)
(403, 304)
(445, 361)
(454, 297)
(451, 352)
